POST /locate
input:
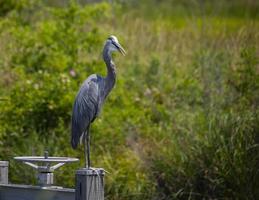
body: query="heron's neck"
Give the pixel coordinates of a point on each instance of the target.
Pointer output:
(111, 70)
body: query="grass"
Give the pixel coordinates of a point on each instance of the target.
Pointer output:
(182, 121)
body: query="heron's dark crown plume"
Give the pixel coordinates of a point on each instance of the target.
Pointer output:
(112, 44)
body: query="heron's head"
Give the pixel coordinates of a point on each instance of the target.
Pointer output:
(113, 44)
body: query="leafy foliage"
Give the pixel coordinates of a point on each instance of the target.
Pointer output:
(182, 121)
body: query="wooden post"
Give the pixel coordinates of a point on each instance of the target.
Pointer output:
(4, 172)
(89, 184)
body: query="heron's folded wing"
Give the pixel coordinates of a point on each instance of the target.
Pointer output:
(85, 109)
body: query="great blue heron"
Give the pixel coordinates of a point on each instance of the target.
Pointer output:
(91, 97)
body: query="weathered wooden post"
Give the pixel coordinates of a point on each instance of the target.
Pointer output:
(90, 184)
(4, 172)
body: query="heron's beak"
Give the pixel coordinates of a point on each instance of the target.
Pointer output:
(120, 48)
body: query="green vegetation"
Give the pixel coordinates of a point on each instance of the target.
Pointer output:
(183, 119)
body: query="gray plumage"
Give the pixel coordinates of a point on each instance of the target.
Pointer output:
(91, 96)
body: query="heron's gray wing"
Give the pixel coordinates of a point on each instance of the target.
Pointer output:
(85, 108)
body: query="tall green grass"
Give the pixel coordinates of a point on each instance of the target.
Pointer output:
(182, 121)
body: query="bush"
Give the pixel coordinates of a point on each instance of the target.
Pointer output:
(182, 121)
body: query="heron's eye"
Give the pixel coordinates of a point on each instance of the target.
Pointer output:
(115, 44)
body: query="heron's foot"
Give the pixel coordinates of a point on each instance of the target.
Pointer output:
(97, 170)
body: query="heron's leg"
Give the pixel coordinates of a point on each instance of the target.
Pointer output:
(88, 149)
(85, 150)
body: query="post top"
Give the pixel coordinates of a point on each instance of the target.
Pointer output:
(91, 171)
(46, 159)
(4, 163)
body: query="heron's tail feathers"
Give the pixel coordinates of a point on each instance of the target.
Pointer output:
(76, 139)
(75, 136)
(74, 143)
(78, 136)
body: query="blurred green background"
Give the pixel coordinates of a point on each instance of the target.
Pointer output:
(183, 119)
